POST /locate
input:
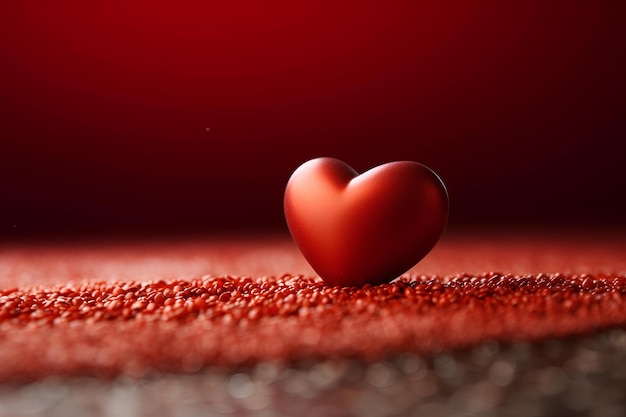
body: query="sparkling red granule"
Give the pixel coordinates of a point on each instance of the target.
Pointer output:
(127, 327)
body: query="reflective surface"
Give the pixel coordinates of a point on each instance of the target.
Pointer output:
(574, 377)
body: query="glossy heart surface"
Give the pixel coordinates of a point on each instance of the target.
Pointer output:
(364, 229)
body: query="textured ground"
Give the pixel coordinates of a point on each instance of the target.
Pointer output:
(137, 309)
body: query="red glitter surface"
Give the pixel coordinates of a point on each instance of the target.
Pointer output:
(106, 309)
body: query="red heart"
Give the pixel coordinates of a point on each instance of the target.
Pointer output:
(370, 228)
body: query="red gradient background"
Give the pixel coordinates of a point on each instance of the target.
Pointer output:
(190, 116)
